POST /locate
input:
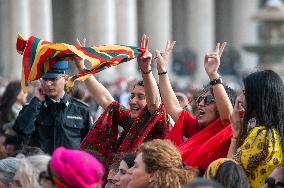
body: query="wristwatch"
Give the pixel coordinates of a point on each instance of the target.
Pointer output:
(216, 81)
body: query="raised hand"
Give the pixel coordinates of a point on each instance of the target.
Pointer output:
(79, 61)
(236, 118)
(162, 57)
(212, 61)
(38, 92)
(145, 59)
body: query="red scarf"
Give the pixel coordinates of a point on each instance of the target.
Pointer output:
(205, 146)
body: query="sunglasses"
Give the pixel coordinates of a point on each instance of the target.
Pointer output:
(271, 182)
(208, 99)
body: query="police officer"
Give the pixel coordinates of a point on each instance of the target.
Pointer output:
(53, 118)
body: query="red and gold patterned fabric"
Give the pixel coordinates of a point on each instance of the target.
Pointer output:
(103, 137)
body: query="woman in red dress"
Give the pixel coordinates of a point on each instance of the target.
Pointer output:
(208, 133)
(145, 120)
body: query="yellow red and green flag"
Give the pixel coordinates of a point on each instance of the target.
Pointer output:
(40, 55)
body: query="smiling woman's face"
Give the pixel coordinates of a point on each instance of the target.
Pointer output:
(137, 101)
(207, 109)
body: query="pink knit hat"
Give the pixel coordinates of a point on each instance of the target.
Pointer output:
(73, 168)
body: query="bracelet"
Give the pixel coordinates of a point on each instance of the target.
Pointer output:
(216, 81)
(146, 72)
(161, 73)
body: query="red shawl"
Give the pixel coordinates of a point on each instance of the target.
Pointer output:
(205, 146)
(103, 137)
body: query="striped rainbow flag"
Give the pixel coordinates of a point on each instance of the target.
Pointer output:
(40, 55)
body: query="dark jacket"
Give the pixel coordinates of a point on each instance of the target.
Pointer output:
(51, 124)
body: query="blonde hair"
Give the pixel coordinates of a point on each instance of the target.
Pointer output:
(163, 160)
(30, 168)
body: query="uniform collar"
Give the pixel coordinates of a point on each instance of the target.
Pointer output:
(65, 100)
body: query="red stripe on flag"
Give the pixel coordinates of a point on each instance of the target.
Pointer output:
(27, 58)
(42, 60)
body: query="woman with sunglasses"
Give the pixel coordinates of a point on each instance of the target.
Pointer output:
(214, 108)
(258, 126)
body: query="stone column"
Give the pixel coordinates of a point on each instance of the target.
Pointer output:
(100, 22)
(41, 19)
(223, 21)
(245, 30)
(126, 27)
(63, 15)
(5, 37)
(200, 32)
(179, 20)
(155, 20)
(15, 16)
(101, 28)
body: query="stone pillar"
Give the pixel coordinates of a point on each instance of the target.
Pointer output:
(15, 16)
(155, 20)
(41, 19)
(79, 20)
(245, 30)
(101, 29)
(126, 27)
(5, 37)
(223, 21)
(100, 22)
(179, 20)
(63, 15)
(200, 32)
(70, 25)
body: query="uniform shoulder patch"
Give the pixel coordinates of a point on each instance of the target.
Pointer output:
(80, 102)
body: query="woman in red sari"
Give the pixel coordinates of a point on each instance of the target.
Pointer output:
(206, 142)
(145, 120)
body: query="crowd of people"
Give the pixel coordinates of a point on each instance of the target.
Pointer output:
(161, 137)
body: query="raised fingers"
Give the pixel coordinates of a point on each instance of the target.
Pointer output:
(78, 42)
(217, 47)
(146, 42)
(170, 45)
(142, 43)
(167, 45)
(222, 47)
(83, 44)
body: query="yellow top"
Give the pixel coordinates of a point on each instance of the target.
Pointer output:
(260, 153)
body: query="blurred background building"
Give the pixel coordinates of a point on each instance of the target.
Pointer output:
(196, 25)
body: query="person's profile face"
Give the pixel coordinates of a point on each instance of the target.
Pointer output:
(139, 177)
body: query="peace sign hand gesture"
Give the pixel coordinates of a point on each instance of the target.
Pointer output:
(162, 57)
(145, 59)
(212, 61)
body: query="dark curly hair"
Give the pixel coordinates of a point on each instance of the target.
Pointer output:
(230, 92)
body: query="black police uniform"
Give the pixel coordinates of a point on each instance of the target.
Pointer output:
(51, 124)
